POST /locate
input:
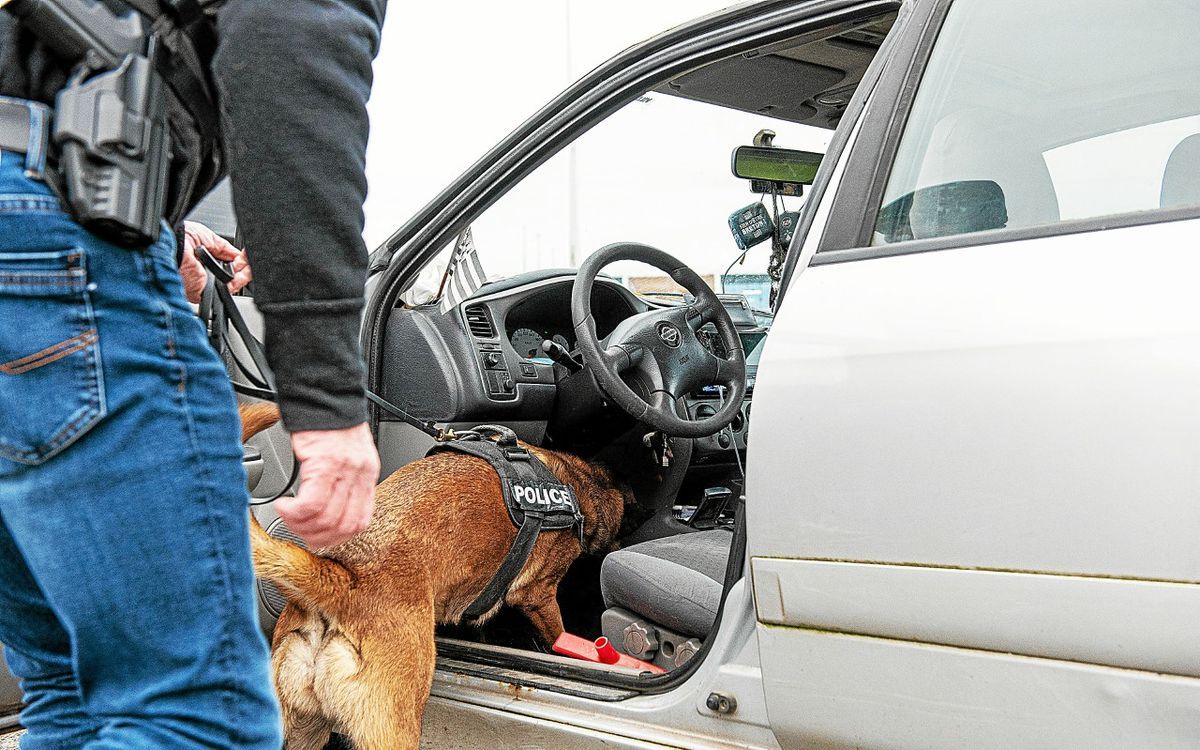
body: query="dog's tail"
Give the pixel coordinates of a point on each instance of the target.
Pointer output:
(313, 582)
(257, 417)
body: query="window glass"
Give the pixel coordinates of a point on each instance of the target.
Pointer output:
(1030, 113)
(656, 172)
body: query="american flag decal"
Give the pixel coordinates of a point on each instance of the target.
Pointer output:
(464, 275)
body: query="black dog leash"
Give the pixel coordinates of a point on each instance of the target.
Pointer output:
(427, 427)
(262, 385)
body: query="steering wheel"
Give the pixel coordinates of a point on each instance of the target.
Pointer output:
(660, 346)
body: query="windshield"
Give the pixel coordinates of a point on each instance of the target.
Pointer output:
(656, 172)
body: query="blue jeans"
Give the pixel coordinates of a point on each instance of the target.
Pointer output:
(126, 592)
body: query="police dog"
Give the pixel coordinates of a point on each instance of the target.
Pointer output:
(353, 651)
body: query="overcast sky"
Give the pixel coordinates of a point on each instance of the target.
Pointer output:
(454, 77)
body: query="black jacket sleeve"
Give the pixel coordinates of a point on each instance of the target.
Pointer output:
(293, 80)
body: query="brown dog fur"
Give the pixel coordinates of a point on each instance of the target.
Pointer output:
(354, 651)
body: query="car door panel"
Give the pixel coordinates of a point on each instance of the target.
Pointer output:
(852, 692)
(1026, 406)
(993, 448)
(1086, 619)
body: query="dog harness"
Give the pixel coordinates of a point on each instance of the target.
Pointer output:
(536, 500)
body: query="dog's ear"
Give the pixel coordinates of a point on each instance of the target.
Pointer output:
(600, 500)
(256, 418)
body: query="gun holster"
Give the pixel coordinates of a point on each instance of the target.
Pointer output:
(114, 148)
(138, 90)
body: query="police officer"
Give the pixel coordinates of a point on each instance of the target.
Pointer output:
(126, 604)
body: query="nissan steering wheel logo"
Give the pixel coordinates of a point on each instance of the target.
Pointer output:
(669, 334)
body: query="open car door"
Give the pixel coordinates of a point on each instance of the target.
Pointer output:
(972, 479)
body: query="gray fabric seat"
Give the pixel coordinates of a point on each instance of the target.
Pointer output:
(674, 582)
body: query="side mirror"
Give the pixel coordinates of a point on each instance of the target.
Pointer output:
(782, 165)
(943, 210)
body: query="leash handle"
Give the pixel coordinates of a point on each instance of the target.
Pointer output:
(505, 437)
(220, 270)
(223, 274)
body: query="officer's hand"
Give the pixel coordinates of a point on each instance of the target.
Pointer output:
(338, 471)
(197, 235)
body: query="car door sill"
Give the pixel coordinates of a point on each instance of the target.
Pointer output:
(550, 671)
(526, 679)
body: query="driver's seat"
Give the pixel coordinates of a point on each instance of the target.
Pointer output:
(662, 595)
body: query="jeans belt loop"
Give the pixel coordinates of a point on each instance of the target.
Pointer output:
(26, 130)
(39, 140)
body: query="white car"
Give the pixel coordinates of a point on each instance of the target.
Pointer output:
(971, 513)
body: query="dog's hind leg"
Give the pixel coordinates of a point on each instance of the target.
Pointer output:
(391, 690)
(304, 731)
(295, 646)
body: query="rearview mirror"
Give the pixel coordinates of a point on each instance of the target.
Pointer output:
(776, 164)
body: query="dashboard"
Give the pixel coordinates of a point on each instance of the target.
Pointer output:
(483, 360)
(545, 314)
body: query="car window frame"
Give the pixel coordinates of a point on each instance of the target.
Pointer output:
(821, 193)
(869, 163)
(857, 200)
(615, 83)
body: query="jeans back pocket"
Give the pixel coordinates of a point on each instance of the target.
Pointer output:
(51, 384)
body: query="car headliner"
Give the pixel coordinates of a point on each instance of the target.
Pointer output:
(809, 83)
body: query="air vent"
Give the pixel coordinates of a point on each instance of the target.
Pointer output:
(480, 322)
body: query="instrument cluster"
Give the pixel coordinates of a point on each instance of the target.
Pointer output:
(527, 343)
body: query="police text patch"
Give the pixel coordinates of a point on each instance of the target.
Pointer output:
(542, 497)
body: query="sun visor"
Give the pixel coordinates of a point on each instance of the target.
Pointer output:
(770, 85)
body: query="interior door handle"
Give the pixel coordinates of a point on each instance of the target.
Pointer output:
(252, 461)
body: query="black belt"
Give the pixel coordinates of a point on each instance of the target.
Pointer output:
(21, 129)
